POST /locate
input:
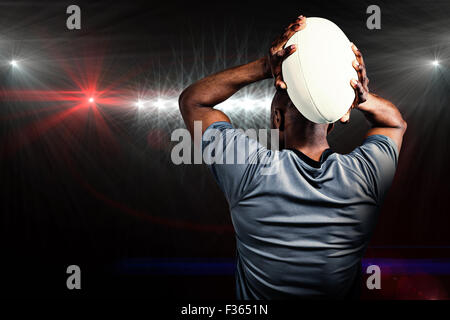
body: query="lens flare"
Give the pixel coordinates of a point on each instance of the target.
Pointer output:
(139, 104)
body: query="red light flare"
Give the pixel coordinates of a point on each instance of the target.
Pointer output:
(52, 107)
(70, 103)
(63, 105)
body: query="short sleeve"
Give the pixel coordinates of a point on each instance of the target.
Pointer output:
(233, 158)
(376, 161)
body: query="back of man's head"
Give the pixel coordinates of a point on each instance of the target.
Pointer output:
(291, 123)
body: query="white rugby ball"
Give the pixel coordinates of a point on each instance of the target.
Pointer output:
(318, 74)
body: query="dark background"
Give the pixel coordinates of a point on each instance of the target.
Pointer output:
(93, 184)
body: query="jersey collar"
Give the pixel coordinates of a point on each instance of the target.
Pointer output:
(313, 163)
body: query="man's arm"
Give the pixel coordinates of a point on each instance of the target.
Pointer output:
(383, 116)
(197, 101)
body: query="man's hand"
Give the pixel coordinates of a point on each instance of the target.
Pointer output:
(361, 85)
(277, 52)
(383, 116)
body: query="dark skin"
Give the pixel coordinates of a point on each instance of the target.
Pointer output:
(296, 132)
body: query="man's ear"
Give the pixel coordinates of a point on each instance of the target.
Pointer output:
(278, 119)
(346, 117)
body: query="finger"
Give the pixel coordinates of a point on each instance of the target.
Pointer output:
(355, 65)
(294, 27)
(302, 20)
(346, 117)
(286, 52)
(355, 101)
(289, 33)
(300, 24)
(360, 91)
(281, 41)
(358, 69)
(358, 55)
(362, 74)
(279, 56)
(366, 83)
(279, 83)
(360, 66)
(298, 20)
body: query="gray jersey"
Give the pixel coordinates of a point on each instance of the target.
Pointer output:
(302, 228)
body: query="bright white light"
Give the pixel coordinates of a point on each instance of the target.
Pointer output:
(245, 104)
(139, 104)
(232, 105)
(435, 63)
(159, 103)
(91, 100)
(13, 63)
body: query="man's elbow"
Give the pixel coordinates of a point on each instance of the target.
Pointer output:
(185, 103)
(403, 125)
(182, 101)
(400, 122)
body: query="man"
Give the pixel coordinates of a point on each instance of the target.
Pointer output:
(302, 231)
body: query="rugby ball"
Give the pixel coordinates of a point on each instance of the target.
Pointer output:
(318, 73)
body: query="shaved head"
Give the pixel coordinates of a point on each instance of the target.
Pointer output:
(294, 127)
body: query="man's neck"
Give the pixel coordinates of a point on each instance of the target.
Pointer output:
(312, 145)
(306, 137)
(312, 151)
